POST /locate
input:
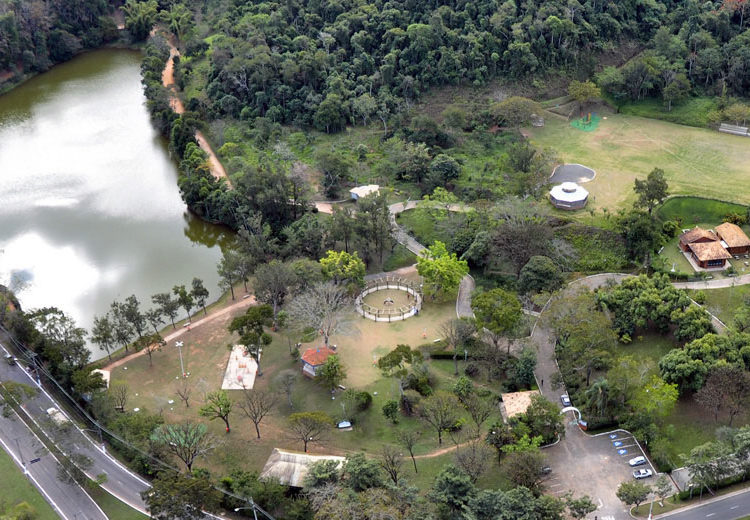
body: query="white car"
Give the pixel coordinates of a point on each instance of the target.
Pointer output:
(565, 400)
(642, 473)
(637, 461)
(57, 417)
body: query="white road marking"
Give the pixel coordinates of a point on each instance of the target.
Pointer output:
(710, 514)
(734, 507)
(601, 504)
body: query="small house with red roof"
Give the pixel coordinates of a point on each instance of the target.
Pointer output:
(314, 358)
(696, 236)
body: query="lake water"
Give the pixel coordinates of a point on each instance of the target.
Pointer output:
(89, 205)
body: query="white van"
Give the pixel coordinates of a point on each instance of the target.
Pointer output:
(58, 418)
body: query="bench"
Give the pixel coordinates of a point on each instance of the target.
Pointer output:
(733, 129)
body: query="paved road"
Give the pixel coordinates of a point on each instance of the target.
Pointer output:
(731, 507)
(68, 500)
(121, 482)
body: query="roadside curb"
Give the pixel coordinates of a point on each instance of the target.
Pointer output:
(700, 504)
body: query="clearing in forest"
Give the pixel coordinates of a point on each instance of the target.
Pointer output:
(696, 161)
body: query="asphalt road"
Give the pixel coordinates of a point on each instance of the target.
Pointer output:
(120, 482)
(68, 500)
(730, 508)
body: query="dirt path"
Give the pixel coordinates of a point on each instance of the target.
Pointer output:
(167, 79)
(246, 302)
(442, 451)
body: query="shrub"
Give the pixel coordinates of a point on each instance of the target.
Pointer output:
(409, 402)
(391, 410)
(364, 401)
(735, 218)
(700, 297)
(471, 370)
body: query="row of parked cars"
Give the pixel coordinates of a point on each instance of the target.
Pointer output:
(642, 472)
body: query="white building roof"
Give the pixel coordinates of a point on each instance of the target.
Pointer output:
(291, 467)
(364, 191)
(569, 192)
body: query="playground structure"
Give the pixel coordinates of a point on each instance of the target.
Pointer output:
(390, 310)
(587, 122)
(240, 371)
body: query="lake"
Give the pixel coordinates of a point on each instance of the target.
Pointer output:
(90, 210)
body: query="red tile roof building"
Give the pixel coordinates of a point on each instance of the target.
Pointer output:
(314, 358)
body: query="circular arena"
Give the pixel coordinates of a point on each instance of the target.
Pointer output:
(577, 173)
(389, 299)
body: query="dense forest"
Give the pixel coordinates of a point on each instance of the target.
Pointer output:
(36, 35)
(328, 64)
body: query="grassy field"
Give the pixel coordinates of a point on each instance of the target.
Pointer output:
(16, 488)
(724, 302)
(692, 211)
(205, 355)
(692, 112)
(623, 148)
(114, 508)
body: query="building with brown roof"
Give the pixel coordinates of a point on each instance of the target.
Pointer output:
(314, 358)
(737, 242)
(696, 235)
(709, 255)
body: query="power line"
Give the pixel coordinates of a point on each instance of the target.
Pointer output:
(31, 356)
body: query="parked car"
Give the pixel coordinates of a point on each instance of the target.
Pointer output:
(10, 359)
(637, 461)
(642, 473)
(565, 400)
(546, 470)
(57, 417)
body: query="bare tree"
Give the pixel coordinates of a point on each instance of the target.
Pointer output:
(479, 410)
(408, 439)
(256, 404)
(440, 412)
(323, 306)
(391, 462)
(187, 441)
(456, 333)
(286, 380)
(183, 392)
(474, 458)
(119, 394)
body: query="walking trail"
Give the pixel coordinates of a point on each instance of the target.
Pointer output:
(167, 79)
(243, 303)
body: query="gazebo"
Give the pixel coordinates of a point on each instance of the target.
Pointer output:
(568, 195)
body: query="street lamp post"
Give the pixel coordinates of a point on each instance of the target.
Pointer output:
(101, 440)
(179, 344)
(255, 513)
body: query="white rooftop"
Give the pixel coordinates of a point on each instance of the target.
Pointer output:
(569, 192)
(364, 191)
(290, 467)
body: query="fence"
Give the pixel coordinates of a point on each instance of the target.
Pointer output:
(399, 313)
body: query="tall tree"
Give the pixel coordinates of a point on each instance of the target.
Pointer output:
(583, 92)
(652, 191)
(456, 333)
(167, 305)
(184, 298)
(442, 271)
(140, 17)
(249, 326)
(310, 427)
(273, 283)
(149, 344)
(440, 411)
(218, 406)
(408, 440)
(323, 306)
(498, 311)
(131, 310)
(332, 373)
(184, 497)
(187, 441)
(257, 404)
(122, 329)
(102, 334)
(199, 293)
(343, 268)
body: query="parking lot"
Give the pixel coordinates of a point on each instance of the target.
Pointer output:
(595, 466)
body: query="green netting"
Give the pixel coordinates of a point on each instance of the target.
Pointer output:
(585, 124)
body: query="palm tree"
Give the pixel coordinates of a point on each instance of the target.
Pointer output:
(598, 397)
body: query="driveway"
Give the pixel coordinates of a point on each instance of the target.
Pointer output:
(594, 466)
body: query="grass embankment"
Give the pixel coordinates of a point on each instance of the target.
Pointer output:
(16, 488)
(205, 356)
(674, 502)
(692, 112)
(624, 147)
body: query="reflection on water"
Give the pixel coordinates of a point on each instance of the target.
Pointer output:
(89, 205)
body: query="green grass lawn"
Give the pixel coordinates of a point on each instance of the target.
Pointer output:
(113, 507)
(724, 302)
(696, 161)
(694, 211)
(692, 112)
(16, 488)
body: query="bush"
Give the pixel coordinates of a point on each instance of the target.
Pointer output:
(471, 370)
(700, 297)
(391, 410)
(364, 401)
(409, 402)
